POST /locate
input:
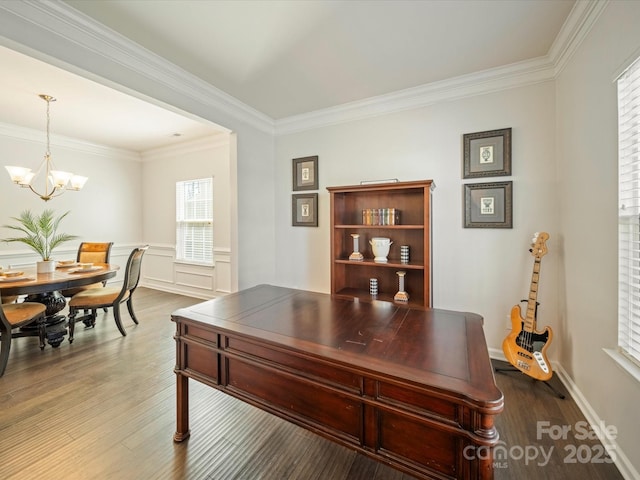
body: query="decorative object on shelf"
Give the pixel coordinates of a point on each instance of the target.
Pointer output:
(373, 286)
(305, 173)
(41, 235)
(381, 216)
(356, 255)
(402, 295)
(404, 254)
(488, 205)
(487, 154)
(304, 210)
(380, 247)
(60, 181)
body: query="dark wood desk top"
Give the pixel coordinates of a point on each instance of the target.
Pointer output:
(443, 349)
(61, 279)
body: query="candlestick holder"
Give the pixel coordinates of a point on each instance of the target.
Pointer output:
(356, 255)
(402, 295)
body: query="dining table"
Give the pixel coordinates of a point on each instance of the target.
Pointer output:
(46, 288)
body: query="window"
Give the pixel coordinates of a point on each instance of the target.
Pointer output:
(194, 221)
(629, 212)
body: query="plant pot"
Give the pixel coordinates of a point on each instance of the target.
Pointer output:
(46, 266)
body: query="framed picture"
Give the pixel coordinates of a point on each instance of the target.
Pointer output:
(305, 173)
(487, 154)
(488, 205)
(304, 210)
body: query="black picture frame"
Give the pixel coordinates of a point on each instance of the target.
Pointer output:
(487, 154)
(305, 173)
(488, 205)
(304, 210)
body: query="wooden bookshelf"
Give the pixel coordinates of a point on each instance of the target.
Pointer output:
(350, 278)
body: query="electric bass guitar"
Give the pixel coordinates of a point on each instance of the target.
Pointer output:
(525, 347)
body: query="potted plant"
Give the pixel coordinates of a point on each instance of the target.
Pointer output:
(40, 234)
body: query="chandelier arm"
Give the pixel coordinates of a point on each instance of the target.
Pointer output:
(60, 181)
(47, 195)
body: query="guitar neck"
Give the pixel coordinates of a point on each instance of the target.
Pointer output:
(530, 319)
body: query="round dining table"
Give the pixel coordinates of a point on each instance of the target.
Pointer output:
(45, 288)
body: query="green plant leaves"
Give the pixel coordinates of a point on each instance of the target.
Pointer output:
(40, 231)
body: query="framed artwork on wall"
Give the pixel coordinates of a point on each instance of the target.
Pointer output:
(488, 205)
(487, 154)
(305, 173)
(304, 210)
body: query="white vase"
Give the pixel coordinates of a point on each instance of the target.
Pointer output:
(380, 247)
(46, 266)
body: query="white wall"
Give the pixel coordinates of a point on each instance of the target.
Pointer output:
(481, 270)
(99, 212)
(587, 161)
(162, 168)
(58, 34)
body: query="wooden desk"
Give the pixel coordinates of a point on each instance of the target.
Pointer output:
(45, 288)
(411, 388)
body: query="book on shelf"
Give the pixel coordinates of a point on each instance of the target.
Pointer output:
(380, 216)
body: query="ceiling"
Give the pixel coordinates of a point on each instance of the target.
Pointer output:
(282, 58)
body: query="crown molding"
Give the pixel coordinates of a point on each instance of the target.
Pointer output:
(576, 27)
(63, 21)
(197, 145)
(36, 136)
(98, 41)
(480, 83)
(582, 17)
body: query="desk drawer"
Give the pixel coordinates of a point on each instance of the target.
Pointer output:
(419, 402)
(298, 398)
(201, 359)
(304, 367)
(199, 333)
(405, 440)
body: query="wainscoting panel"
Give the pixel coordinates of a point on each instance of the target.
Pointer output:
(161, 272)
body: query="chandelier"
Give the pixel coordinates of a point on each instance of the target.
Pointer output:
(56, 182)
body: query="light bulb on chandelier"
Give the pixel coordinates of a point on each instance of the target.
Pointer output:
(56, 182)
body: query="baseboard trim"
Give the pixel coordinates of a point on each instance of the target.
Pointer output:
(621, 461)
(177, 291)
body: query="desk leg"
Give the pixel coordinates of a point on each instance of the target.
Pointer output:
(182, 408)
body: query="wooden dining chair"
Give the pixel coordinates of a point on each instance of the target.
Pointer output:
(106, 297)
(91, 252)
(12, 317)
(9, 299)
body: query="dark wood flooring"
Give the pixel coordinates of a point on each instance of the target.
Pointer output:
(104, 408)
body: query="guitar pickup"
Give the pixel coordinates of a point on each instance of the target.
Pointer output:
(528, 357)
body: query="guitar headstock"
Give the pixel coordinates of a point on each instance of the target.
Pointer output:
(539, 244)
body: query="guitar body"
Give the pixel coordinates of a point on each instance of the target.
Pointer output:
(527, 350)
(526, 347)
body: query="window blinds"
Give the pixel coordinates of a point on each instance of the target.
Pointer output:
(629, 212)
(194, 221)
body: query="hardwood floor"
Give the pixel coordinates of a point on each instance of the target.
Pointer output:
(104, 408)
